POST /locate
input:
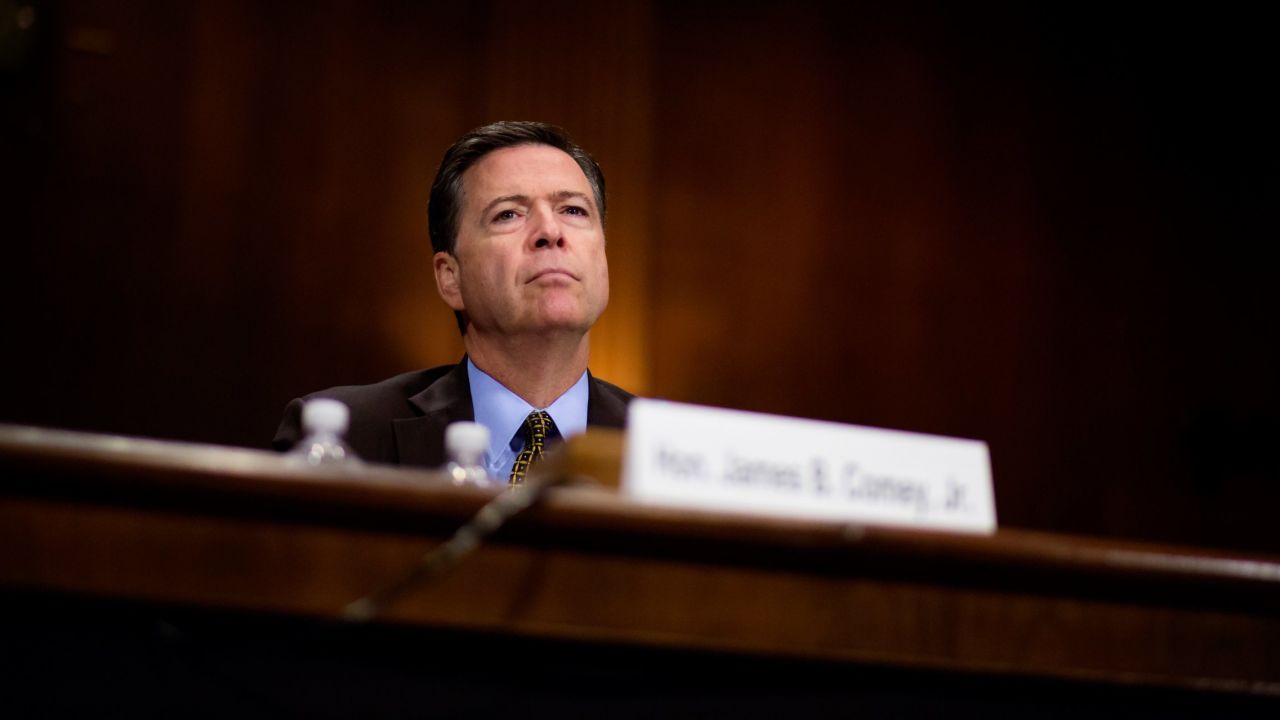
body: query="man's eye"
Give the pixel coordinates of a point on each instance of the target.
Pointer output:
(504, 216)
(575, 210)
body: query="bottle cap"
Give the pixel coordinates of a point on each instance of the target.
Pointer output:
(466, 438)
(325, 415)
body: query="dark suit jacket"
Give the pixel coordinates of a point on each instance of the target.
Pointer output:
(401, 420)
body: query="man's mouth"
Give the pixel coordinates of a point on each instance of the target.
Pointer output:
(553, 273)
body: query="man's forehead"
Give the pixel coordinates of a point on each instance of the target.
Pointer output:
(523, 170)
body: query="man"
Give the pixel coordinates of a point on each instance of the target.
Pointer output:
(516, 218)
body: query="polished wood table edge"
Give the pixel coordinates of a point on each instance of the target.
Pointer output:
(580, 636)
(129, 469)
(194, 525)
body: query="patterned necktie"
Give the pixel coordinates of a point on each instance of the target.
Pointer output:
(538, 426)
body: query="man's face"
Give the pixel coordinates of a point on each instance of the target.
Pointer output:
(530, 253)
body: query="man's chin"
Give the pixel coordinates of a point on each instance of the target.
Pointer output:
(566, 315)
(559, 325)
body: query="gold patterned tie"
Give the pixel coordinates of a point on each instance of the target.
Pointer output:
(538, 426)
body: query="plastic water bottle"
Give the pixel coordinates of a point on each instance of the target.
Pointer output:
(325, 422)
(466, 443)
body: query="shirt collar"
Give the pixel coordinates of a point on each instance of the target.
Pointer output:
(503, 412)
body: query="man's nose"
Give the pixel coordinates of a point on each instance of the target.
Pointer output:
(548, 232)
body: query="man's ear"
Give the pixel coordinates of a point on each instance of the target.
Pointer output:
(447, 279)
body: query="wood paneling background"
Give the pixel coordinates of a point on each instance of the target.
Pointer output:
(1041, 227)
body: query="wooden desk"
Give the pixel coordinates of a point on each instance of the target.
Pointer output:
(137, 523)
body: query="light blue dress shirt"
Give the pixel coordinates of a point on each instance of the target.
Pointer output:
(503, 412)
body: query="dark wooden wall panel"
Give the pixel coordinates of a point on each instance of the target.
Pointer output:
(1043, 227)
(868, 243)
(985, 222)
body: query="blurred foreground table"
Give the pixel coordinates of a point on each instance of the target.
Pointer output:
(167, 577)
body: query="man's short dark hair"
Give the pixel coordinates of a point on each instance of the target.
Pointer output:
(446, 191)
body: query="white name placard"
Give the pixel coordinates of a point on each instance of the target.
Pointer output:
(730, 460)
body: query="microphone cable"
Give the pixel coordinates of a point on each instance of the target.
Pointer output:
(435, 563)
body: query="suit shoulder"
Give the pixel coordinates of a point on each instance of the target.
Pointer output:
(372, 408)
(390, 395)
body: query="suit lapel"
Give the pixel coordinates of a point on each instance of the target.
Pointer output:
(604, 408)
(420, 440)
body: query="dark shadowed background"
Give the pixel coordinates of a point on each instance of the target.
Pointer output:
(1042, 226)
